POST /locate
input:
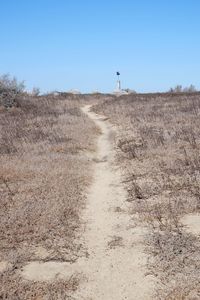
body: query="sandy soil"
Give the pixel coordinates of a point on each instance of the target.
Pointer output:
(192, 223)
(116, 264)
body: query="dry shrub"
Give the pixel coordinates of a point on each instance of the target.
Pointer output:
(158, 148)
(15, 289)
(44, 174)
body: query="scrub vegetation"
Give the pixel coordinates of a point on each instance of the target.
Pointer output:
(44, 174)
(158, 146)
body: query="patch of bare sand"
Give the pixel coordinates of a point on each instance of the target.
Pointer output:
(192, 223)
(47, 271)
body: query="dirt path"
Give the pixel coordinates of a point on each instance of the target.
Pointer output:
(115, 266)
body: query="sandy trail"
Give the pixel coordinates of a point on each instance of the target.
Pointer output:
(115, 266)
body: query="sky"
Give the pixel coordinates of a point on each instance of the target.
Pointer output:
(80, 44)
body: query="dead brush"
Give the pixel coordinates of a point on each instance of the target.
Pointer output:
(169, 127)
(128, 147)
(134, 191)
(43, 176)
(163, 216)
(131, 147)
(173, 255)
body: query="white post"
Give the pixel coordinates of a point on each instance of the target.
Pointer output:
(118, 82)
(119, 85)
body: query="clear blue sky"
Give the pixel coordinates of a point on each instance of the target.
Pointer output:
(80, 44)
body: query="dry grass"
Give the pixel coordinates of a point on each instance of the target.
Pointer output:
(116, 241)
(158, 148)
(44, 173)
